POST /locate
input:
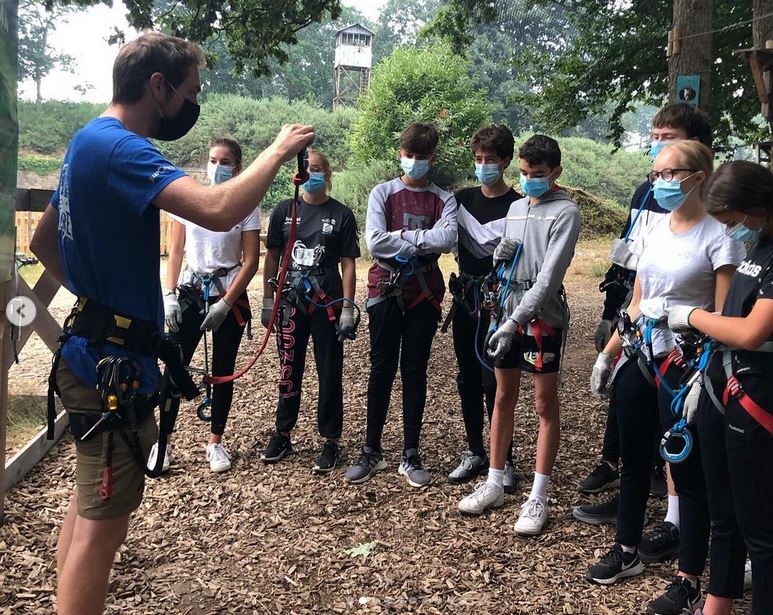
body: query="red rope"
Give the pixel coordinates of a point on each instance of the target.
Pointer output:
(298, 179)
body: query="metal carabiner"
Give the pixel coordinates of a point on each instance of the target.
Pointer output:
(680, 456)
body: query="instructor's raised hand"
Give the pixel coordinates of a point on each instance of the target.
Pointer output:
(292, 139)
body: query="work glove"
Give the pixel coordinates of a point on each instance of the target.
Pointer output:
(346, 327)
(621, 254)
(603, 334)
(506, 249)
(265, 313)
(173, 315)
(600, 376)
(216, 315)
(691, 402)
(502, 339)
(679, 318)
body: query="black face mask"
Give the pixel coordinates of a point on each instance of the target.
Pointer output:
(173, 128)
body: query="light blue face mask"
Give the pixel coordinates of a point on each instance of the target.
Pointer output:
(669, 195)
(657, 146)
(315, 183)
(219, 173)
(487, 174)
(535, 187)
(413, 168)
(741, 232)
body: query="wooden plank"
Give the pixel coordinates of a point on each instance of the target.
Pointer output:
(33, 199)
(22, 462)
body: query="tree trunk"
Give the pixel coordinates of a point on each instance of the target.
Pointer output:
(762, 29)
(691, 54)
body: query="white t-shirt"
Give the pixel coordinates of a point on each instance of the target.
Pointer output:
(207, 251)
(679, 269)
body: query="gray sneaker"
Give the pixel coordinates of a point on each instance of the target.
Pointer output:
(469, 467)
(367, 465)
(510, 480)
(410, 467)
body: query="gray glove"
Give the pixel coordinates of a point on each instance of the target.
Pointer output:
(600, 376)
(265, 313)
(691, 402)
(506, 249)
(502, 339)
(679, 318)
(603, 334)
(173, 315)
(621, 254)
(346, 326)
(216, 314)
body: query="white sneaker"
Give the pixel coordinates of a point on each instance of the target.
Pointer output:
(533, 516)
(747, 576)
(486, 495)
(154, 454)
(219, 460)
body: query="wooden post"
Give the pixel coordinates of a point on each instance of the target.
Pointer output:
(4, 345)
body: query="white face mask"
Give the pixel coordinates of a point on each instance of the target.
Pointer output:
(218, 173)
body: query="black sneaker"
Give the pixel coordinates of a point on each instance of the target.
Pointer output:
(615, 565)
(598, 514)
(602, 477)
(658, 486)
(280, 446)
(367, 465)
(680, 597)
(660, 544)
(328, 457)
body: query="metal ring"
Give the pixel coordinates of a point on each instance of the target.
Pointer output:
(682, 454)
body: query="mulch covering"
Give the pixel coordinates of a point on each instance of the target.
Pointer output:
(271, 539)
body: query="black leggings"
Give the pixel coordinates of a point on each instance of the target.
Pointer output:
(474, 382)
(643, 413)
(390, 329)
(223, 351)
(329, 359)
(738, 462)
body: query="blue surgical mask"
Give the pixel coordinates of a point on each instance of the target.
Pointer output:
(315, 183)
(487, 174)
(669, 195)
(218, 173)
(535, 187)
(413, 168)
(741, 232)
(657, 146)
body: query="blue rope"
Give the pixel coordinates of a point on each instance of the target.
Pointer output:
(516, 256)
(476, 303)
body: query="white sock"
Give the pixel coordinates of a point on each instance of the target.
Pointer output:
(613, 466)
(628, 549)
(672, 515)
(539, 488)
(496, 477)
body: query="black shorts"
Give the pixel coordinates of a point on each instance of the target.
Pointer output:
(524, 354)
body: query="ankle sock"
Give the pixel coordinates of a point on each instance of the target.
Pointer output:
(672, 515)
(539, 488)
(496, 477)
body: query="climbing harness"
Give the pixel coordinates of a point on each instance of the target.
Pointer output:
(399, 275)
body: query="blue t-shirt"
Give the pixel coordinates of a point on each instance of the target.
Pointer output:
(109, 233)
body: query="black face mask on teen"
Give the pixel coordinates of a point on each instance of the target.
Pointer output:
(173, 128)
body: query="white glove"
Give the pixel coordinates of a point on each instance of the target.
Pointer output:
(621, 254)
(265, 313)
(345, 326)
(506, 249)
(600, 376)
(691, 402)
(679, 318)
(173, 315)
(502, 339)
(216, 315)
(603, 333)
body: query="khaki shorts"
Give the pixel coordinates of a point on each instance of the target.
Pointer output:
(128, 476)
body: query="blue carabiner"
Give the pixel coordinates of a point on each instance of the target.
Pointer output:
(404, 261)
(677, 431)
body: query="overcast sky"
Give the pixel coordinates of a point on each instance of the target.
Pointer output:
(84, 36)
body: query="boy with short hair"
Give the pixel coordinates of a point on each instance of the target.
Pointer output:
(536, 249)
(409, 223)
(481, 217)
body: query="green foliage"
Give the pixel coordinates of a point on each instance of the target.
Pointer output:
(430, 84)
(352, 186)
(40, 165)
(47, 127)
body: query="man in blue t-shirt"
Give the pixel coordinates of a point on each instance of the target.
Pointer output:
(100, 238)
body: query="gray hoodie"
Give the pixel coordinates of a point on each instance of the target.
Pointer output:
(548, 231)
